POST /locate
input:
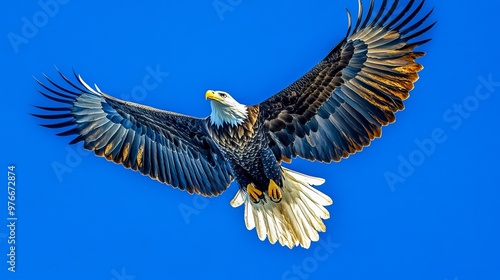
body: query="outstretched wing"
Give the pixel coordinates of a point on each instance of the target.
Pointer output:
(340, 105)
(171, 148)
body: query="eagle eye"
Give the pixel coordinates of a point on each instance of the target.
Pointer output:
(223, 95)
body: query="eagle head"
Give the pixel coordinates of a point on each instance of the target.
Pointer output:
(225, 110)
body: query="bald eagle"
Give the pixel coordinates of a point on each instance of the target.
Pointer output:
(334, 110)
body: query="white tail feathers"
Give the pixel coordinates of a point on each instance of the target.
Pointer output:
(297, 219)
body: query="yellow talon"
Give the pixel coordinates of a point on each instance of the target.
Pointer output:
(254, 193)
(274, 191)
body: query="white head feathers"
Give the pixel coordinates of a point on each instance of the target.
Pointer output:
(225, 110)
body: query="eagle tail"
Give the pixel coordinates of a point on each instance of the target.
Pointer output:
(296, 219)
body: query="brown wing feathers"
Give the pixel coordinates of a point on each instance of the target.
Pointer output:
(171, 148)
(340, 105)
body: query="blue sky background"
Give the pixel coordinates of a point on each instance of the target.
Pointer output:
(440, 219)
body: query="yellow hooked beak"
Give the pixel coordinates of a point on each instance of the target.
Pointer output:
(210, 94)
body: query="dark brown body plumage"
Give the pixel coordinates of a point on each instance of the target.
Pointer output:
(246, 148)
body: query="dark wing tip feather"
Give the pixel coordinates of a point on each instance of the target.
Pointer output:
(53, 116)
(360, 15)
(58, 87)
(420, 32)
(69, 132)
(406, 20)
(60, 95)
(60, 124)
(154, 142)
(417, 24)
(79, 138)
(379, 14)
(52, 108)
(349, 23)
(339, 106)
(400, 15)
(81, 90)
(387, 15)
(368, 16)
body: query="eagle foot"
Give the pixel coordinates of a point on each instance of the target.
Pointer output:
(254, 194)
(274, 192)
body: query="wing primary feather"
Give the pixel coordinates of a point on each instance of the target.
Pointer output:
(388, 14)
(379, 14)
(96, 133)
(58, 86)
(170, 173)
(202, 181)
(117, 145)
(369, 14)
(77, 139)
(409, 18)
(56, 99)
(134, 148)
(85, 85)
(68, 132)
(416, 44)
(69, 82)
(97, 88)
(349, 23)
(418, 33)
(125, 149)
(59, 109)
(200, 170)
(53, 91)
(193, 174)
(360, 16)
(148, 157)
(416, 25)
(59, 125)
(186, 171)
(400, 15)
(162, 166)
(157, 143)
(180, 171)
(156, 154)
(103, 140)
(168, 168)
(53, 117)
